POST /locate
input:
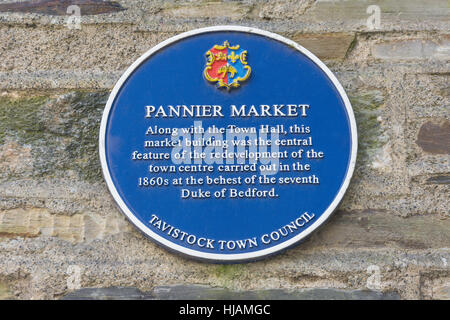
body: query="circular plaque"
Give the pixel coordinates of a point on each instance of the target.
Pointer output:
(228, 143)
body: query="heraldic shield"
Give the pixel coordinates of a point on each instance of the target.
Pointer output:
(227, 65)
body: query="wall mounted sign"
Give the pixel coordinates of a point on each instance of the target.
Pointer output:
(228, 143)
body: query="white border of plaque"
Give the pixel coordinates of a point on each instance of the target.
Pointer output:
(238, 257)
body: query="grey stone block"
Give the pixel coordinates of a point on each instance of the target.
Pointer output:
(111, 293)
(195, 292)
(444, 179)
(198, 292)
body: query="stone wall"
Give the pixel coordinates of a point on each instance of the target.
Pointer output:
(60, 230)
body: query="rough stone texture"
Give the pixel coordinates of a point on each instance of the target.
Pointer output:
(210, 9)
(43, 267)
(40, 222)
(275, 15)
(32, 49)
(60, 230)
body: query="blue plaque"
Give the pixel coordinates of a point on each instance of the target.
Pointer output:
(228, 144)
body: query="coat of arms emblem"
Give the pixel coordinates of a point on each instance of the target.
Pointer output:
(227, 65)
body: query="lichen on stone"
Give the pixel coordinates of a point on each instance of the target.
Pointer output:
(367, 107)
(61, 131)
(227, 274)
